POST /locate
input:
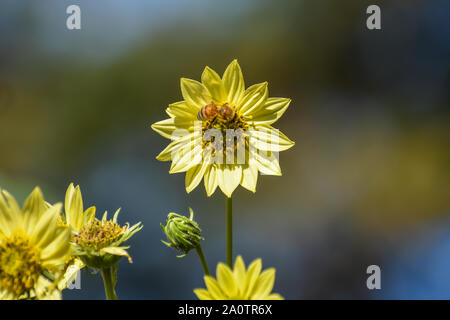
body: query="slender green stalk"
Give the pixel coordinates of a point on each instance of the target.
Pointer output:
(202, 259)
(229, 207)
(109, 282)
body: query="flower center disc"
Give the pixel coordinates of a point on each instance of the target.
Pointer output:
(19, 264)
(99, 234)
(232, 134)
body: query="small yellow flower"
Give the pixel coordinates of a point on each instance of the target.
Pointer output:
(33, 247)
(239, 283)
(222, 132)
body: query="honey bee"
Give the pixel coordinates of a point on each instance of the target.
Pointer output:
(226, 112)
(210, 111)
(207, 112)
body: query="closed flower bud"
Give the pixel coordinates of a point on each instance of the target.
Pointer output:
(183, 233)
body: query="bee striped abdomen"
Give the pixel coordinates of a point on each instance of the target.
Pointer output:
(226, 112)
(207, 112)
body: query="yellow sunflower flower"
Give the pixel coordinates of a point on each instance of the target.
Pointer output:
(223, 132)
(239, 283)
(33, 247)
(75, 217)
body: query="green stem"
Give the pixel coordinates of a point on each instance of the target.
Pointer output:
(229, 207)
(202, 259)
(109, 283)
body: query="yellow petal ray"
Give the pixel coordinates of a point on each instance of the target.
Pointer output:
(11, 211)
(229, 178)
(70, 274)
(274, 296)
(182, 110)
(74, 208)
(233, 81)
(211, 180)
(264, 285)
(250, 177)
(202, 294)
(117, 252)
(226, 280)
(68, 198)
(251, 277)
(254, 97)
(213, 288)
(212, 81)
(195, 175)
(267, 138)
(46, 291)
(43, 233)
(35, 204)
(266, 162)
(89, 215)
(188, 156)
(239, 274)
(167, 128)
(177, 145)
(9, 219)
(56, 252)
(270, 111)
(195, 93)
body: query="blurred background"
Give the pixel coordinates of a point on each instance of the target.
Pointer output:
(368, 181)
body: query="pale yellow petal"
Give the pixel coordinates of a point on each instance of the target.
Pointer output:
(274, 296)
(46, 291)
(44, 231)
(182, 110)
(57, 252)
(74, 209)
(267, 138)
(213, 288)
(195, 93)
(189, 155)
(211, 180)
(69, 194)
(226, 280)
(270, 111)
(175, 146)
(6, 295)
(233, 81)
(212, 81)
(250, 177)
(202, 294)
(35, 203)
(11, 213)
(266, 162)
(70, 274)
(229, 178)
(9, 218)
(251, 277)
(239, 273)
(254, 97)
(117, 251)
(169, 128)
(195, 175)
(264, 284)
(89, 215)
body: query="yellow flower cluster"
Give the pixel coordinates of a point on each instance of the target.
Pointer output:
(42, 248)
